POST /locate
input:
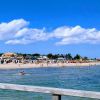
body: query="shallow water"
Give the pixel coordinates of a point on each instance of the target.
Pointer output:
(84, 78)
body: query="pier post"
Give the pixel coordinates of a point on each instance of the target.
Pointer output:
(56, 97)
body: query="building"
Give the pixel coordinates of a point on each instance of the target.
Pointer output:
(11, 57)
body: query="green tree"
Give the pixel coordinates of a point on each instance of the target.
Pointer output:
(36, 55)
(55, 56)
(68, 56)
(24, 55)
(77, 57)
(1, 54)
(62, 55)
(50, 55)
(85, 58)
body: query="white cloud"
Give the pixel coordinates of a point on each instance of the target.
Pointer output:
(26, 36)
(8, 30)
(18, 32)
(18, 41)
(32, 34)
(76, 35)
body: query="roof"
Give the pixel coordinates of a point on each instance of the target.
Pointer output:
(9, 54)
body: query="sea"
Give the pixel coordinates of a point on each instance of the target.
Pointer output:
(80, 78)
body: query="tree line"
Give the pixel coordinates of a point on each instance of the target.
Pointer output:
(52, 56)
(66, 56)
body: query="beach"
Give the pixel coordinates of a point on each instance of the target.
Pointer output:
(33, 65)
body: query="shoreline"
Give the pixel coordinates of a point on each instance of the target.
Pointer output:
(28, 65)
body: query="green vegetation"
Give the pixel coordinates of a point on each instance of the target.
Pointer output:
(77, 57)
(67, 56)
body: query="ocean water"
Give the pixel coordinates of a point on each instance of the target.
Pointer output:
(83, 78)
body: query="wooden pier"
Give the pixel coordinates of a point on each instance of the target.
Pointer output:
(56, 92)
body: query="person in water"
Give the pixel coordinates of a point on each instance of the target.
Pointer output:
(22, 73)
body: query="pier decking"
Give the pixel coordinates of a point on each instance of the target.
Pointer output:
(56, 92)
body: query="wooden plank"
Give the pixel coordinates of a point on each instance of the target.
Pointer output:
(56, 97)
(58, 91)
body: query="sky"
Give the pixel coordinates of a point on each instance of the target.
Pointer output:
(50, 26)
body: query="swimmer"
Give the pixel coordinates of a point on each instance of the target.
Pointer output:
(22, 73)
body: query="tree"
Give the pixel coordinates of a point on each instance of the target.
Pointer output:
(1, 54)
(62, 55)
(85, 58)
(20, 54)
(24, 55)
(77, 57)
(68, 56)
(36, 55)
(55, 56)
(50, 55)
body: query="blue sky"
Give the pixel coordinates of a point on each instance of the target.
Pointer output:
(50, 26)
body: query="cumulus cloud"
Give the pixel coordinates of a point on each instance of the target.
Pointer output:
(26, 36)
(76, 35)
(8, 30)
(18, 32)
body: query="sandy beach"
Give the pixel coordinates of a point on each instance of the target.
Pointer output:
(29, 65)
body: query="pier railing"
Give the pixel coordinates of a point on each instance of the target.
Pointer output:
(56, 92)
